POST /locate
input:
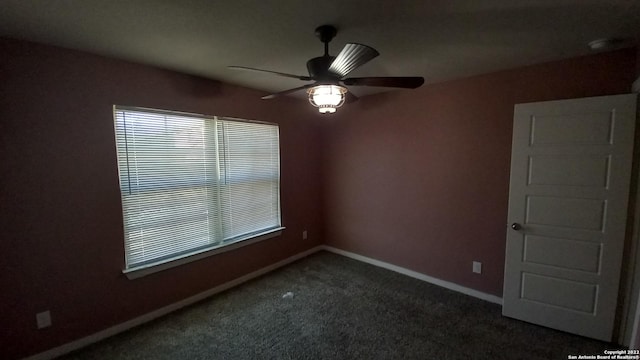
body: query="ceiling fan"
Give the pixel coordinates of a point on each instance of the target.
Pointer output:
(329, 72)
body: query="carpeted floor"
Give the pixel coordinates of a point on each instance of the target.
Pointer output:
(340, 309)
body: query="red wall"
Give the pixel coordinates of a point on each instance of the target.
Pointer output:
(420, 179)
(61, 246)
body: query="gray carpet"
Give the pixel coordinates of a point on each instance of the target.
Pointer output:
(340, 309)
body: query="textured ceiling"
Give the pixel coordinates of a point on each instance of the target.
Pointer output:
(440, 40)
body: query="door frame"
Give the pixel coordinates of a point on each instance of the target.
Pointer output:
(629, 319)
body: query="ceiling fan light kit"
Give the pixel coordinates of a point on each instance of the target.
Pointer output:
(327, 98)
(327, 72)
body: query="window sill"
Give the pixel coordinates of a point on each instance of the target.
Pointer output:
(147, 269)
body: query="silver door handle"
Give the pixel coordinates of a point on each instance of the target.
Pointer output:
(516, 226)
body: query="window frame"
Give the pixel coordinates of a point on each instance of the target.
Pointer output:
(181, 258)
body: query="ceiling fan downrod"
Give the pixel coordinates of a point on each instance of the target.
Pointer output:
(318, 66)
(326, 33)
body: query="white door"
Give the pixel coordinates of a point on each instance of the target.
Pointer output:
(570, 173)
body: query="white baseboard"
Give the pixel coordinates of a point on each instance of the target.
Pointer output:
(101, 335)
(80, 343)
(445, 284)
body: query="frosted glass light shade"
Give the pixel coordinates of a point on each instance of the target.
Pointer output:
(327, 98)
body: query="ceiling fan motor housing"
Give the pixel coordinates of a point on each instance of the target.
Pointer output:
(318, 68)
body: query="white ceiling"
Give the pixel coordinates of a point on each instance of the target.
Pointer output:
(439, 39)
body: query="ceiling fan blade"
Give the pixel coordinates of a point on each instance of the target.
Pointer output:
(351, 57)
(349, 97)
(286, 92)
(407, 82)
(299, 77)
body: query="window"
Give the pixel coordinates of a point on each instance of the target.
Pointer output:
(193, 183)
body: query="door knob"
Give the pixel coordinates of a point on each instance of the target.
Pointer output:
(516, 226)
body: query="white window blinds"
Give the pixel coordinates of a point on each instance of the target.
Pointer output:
(192, 183)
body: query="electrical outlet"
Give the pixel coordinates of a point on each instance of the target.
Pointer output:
(304, 235)
(43, 319)
(477, 267)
